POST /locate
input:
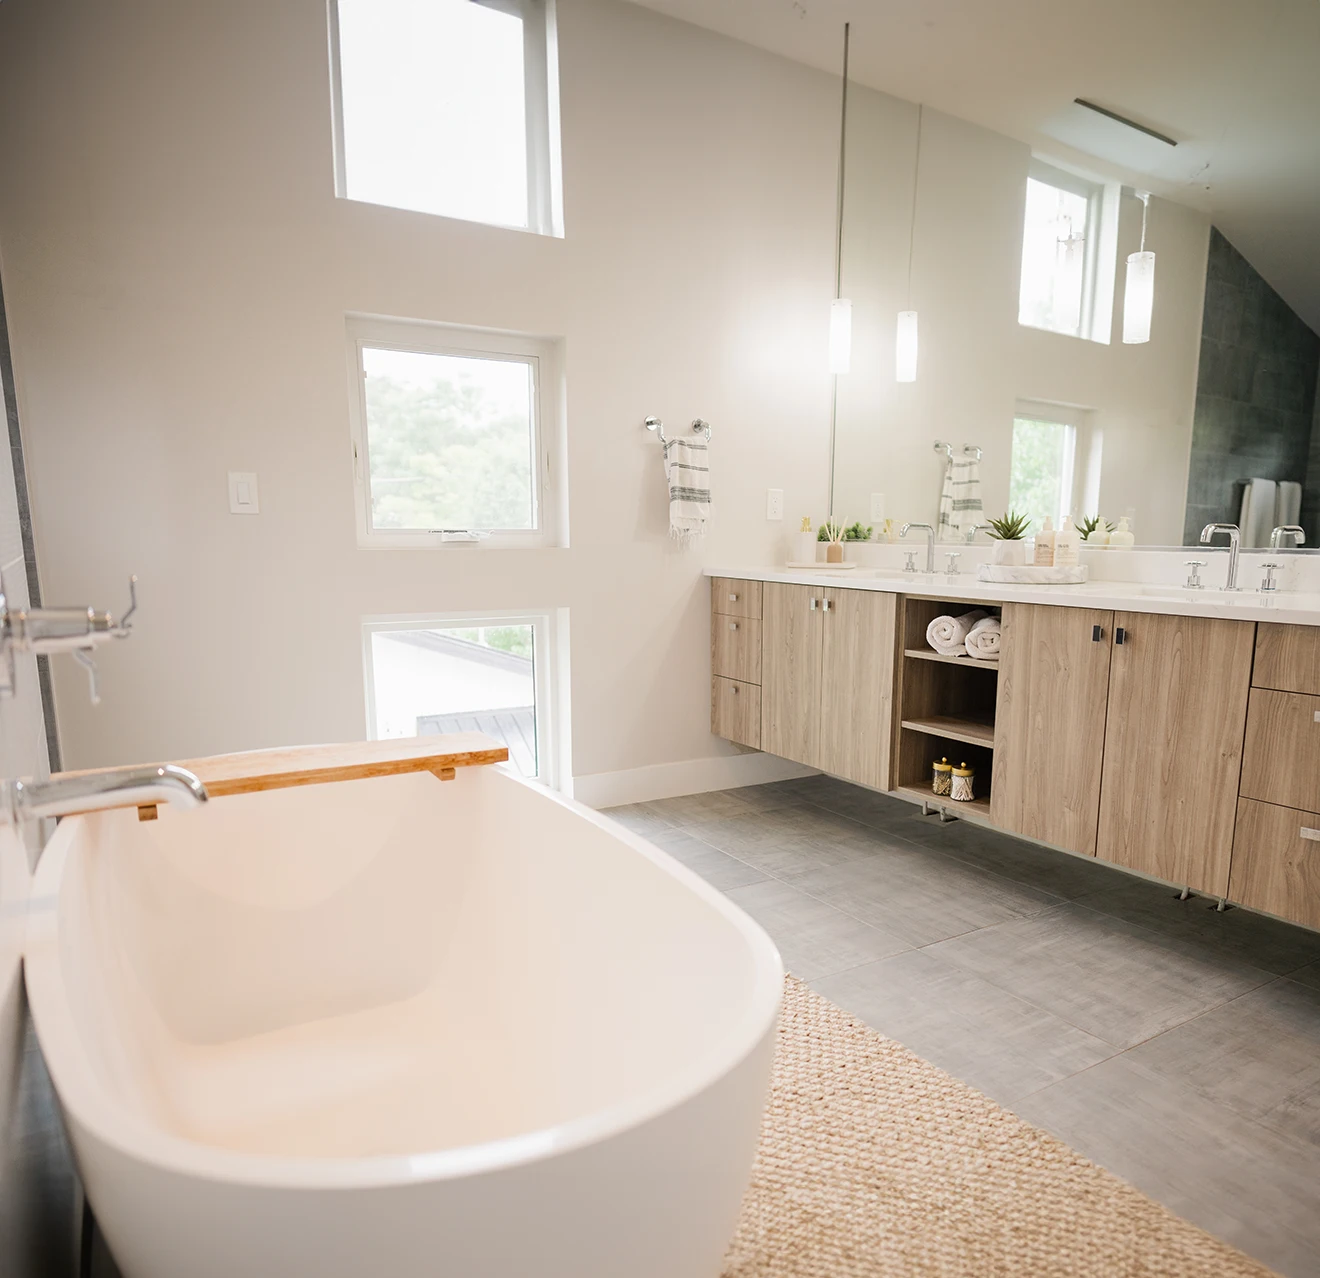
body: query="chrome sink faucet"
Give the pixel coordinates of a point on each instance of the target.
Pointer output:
(971, 535)
(930, 542)
(22, 801)
(1295, 531)
(1234, 541)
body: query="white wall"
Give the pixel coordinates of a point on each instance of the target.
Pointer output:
(179, 273)
(976, 361)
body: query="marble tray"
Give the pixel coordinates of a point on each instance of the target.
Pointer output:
(1030, 575)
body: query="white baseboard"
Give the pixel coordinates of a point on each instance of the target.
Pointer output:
(691, 776)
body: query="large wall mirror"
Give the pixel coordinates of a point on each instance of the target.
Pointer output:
(1014, 258)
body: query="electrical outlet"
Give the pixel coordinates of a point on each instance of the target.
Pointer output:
(774, 503)
(877, 508)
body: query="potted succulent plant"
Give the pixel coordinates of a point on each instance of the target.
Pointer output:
(857, 532)
(1008, 532)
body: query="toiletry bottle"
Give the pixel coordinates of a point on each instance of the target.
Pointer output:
(1045, 544)
(1099, 535)
(1066, 544)
(1122, 535)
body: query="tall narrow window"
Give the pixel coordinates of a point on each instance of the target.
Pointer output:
(448, 107)
(454, 431)
(488, 674)
(1041, 468)
(1060, 252)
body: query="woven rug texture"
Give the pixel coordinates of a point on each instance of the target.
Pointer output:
(874, 1163)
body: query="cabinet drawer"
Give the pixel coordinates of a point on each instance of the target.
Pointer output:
(735, 648)
(735, 598)
(1276, 861)
(1281, 760)
(1287, 658)
(735, 711)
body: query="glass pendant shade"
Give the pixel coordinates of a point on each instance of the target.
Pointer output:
(905, 351)
(1138, 297)
(840, 335)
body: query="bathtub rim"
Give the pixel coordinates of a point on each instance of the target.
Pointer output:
(92, 1108)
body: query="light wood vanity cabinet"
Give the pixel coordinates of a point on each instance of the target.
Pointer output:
(1282, 760)
(1276, 861)
(827, 679)
(1050, 722)
(735, 660)
(1178, 690)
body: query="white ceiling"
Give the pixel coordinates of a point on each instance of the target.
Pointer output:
(1235, 82)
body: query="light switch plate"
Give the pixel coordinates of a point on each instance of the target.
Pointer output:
(877, 508)
(243, 497)
(774, 503)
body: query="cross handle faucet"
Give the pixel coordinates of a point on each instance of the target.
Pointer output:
(1234, 541)
(930, 542)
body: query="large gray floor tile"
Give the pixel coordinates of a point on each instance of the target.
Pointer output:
(789, 840)
(1239, 1180)
(1258, 1056)
(1308, 975)
(1111, 978)
(922, 896)
(979, 1033)
(641, 818)
(718, 868)
(814, 939)
(1263, 942)
(749, 800)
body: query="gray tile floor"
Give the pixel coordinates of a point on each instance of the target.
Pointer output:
(1177, 1046)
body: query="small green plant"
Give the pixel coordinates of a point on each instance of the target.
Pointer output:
(1087, 525)
(830, 530)
(1010, 527)
(857, 532)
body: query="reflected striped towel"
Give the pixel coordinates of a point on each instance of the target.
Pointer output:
(687, 467)
(960, 499)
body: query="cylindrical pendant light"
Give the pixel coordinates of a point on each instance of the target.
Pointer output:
(1139, 290)
(841, 307)
(905, 343)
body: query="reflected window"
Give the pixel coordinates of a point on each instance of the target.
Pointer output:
(470, 674)
(1041, 468)
(1060, 252)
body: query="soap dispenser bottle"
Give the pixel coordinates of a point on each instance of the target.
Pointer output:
(1045, 544)
(1066, 544)
(1122, 536)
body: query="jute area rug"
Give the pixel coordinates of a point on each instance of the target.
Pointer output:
(874, 1163)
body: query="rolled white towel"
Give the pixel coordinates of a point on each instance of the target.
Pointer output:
(983, 640)
(948, 635)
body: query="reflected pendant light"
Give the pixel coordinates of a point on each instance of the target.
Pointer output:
(1139, 292)
(905, 342)
(841, 307)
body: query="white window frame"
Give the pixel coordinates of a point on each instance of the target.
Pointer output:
(548, 626)
(545, 203)
(1095, 315)
(542, 354)
(1080, 491)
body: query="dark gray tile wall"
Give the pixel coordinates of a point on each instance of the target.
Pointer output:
(1255, 395)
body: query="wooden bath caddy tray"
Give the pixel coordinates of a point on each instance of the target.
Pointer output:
(253, 770)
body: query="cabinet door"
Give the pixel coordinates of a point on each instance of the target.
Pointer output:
(1178, 691)
(1050, 723)
(857, 686)
(790, 671)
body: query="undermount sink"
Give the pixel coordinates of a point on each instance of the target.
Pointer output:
(1213, 593)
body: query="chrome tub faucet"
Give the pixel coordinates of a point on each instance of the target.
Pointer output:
(22, 801)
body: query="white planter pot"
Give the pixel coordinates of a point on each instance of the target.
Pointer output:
(1010, 553)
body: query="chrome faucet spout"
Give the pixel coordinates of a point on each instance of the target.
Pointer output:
(985, 528)
(1295, 531)
(1234, 542)
(930, 542)
(119, 788)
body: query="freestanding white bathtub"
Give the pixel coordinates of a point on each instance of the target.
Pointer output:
(398, 1027)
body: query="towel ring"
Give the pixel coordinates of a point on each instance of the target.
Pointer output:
(699, 427)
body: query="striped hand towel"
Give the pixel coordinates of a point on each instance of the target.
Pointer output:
(687, 467)
(960, 499)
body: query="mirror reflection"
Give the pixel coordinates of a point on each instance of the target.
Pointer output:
(1038, 328)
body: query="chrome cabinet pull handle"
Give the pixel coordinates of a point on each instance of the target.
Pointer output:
(824, 605)
(813, 605)
(733, 625)
(735, 689)
(1317, 716)
(1313, 835)
(733, 598)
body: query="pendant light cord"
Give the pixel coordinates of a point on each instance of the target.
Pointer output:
(912, 222)
(843, 139)
(1144, 197)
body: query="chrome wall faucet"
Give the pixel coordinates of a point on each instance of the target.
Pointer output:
(1234, 541)
(22, 801)
(930, 542)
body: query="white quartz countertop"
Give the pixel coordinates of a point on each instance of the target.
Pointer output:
(1293, 607)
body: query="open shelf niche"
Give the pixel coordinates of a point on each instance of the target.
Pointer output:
(946, 709)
